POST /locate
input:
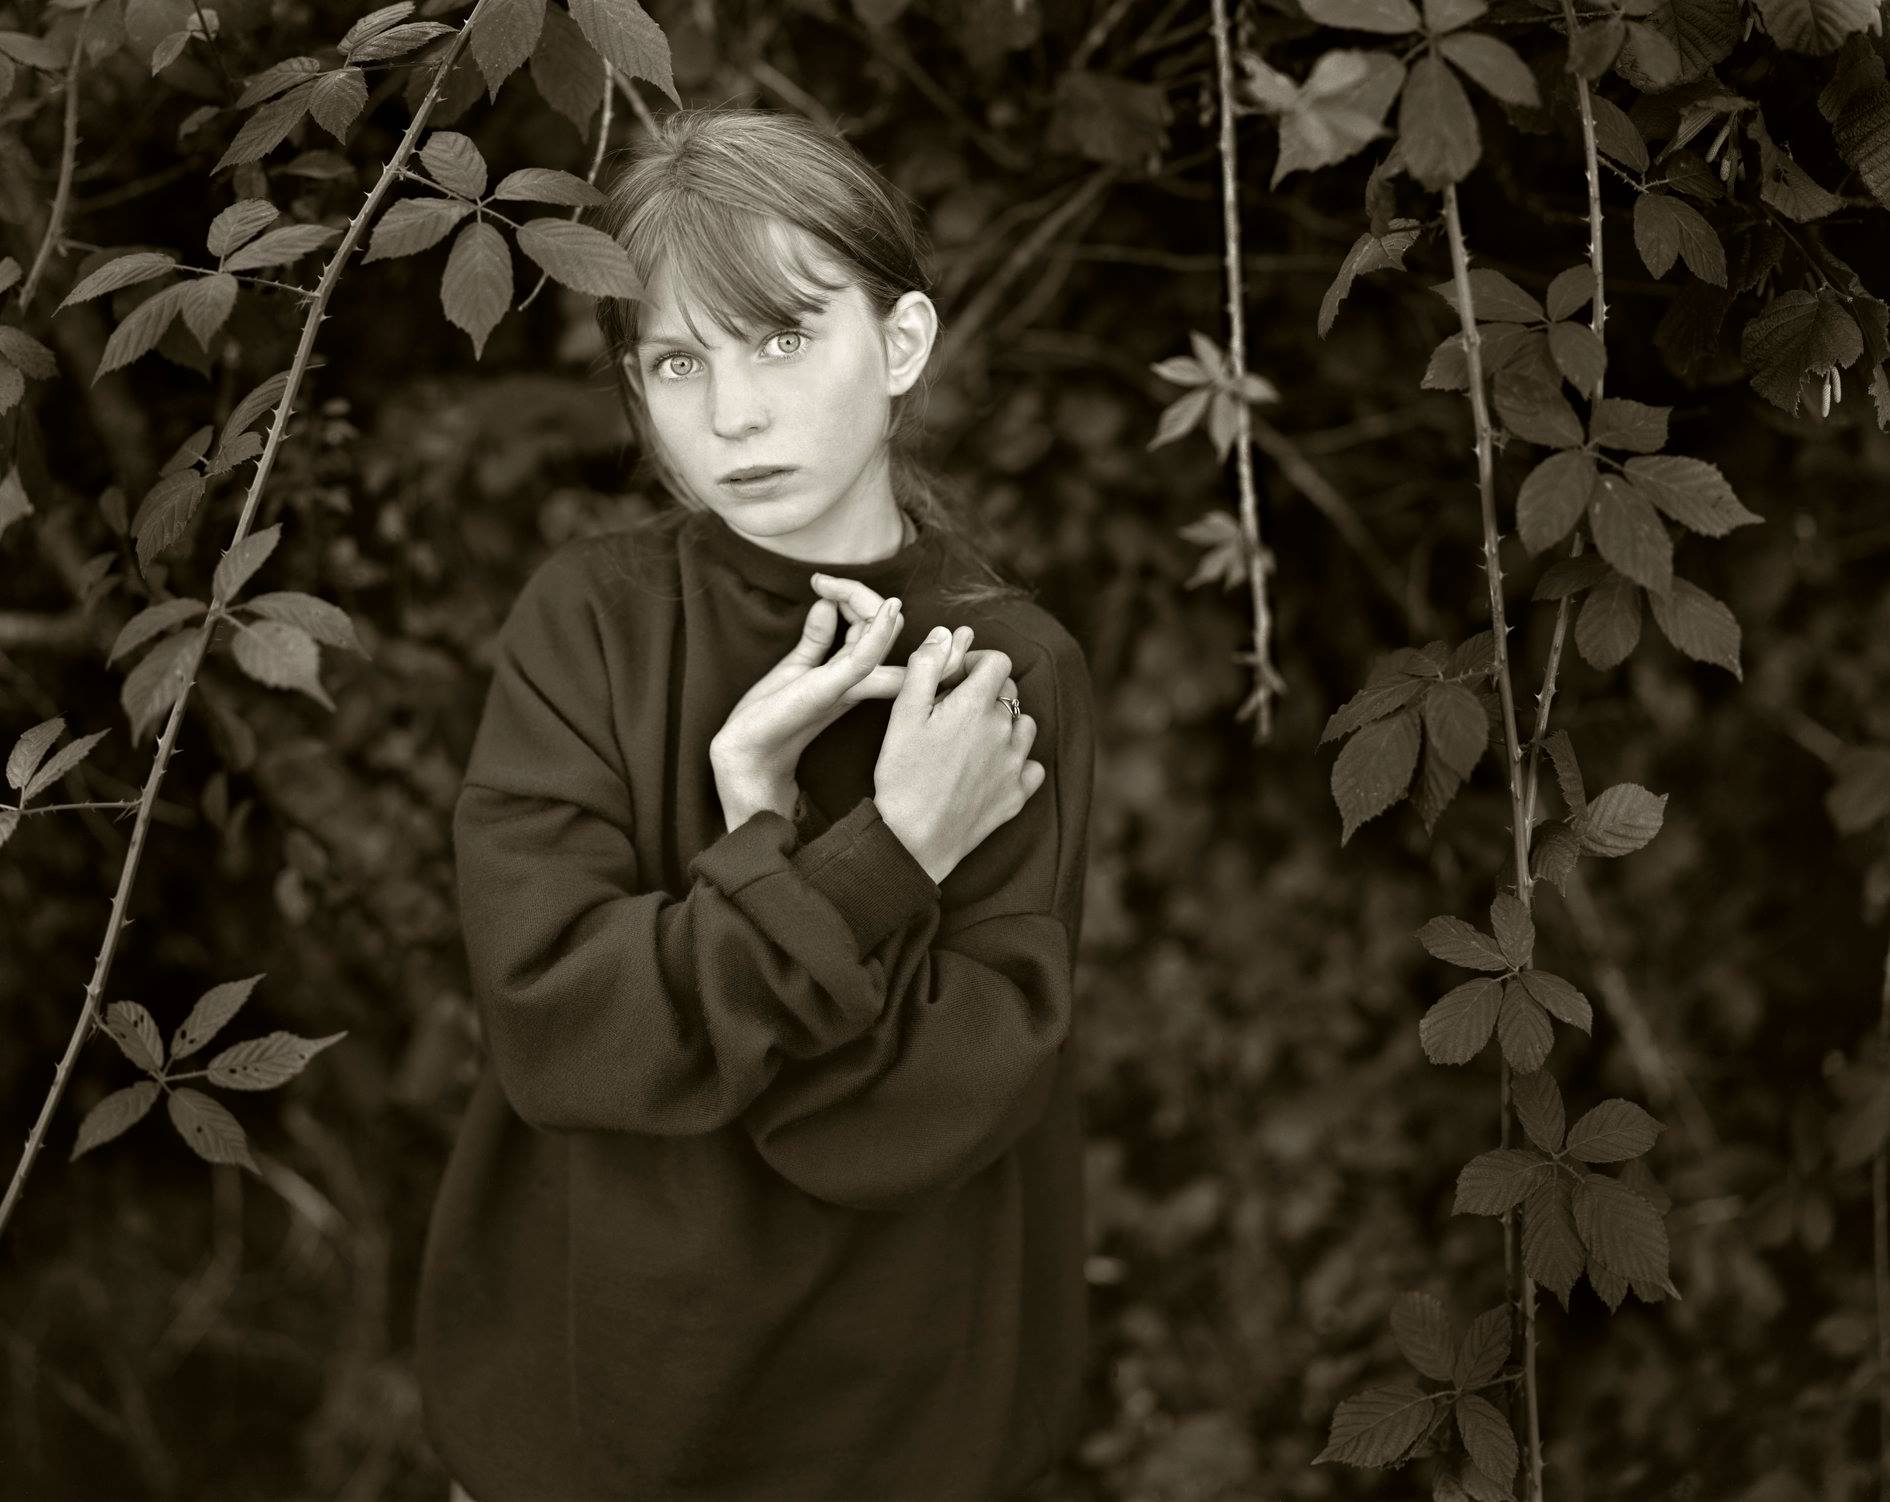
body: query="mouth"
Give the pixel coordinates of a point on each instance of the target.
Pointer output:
(755, 472)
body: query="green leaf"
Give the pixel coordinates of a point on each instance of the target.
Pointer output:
(504, 32)
(1442, 16)
(1437, 128)
(1617, 423)
(141, 330)
(28, 750)
(455, 163)
(1699, 625)
(1457, 1027)
(374, 23)
(1556, 996)
(63, 761)
(477, 287)
(1552, 858)
(1378, 1427)
(1630, 535)
(1568, 576)
(627, 39)
(1571, 291)
(236, 225)
(1816, 26)
(1554, 496)
(1595, 47)
(1514, 929)
(337, 101)
(1860, 794)
(131, 1028)
(1373, 769)
(152, 687)
(153, 621)
(1494, 65)
(546, 185)
(566, 71)
(1523, 1028)
(414, 224)
(1616, 135)
(1551, 1245)
(1621, 1228)
(1485, 1348)
(116, 1112)
(1494, 297)
(1612, 1132)
(277, 79)
(584, 259)
(212, 1010)
(1580, 355)
(1568, 775)
(1666, 227)
(1622, 819)
(1534, 408)
(281, 246)
(236, 567)
(1456, 942)
(1389, 17)
(1798, 333)
(1539, 1107)
(1609, 622)
(1487, 1436)
(326, 623)
(268, 127)
(164, 514)
(206, 305)
(1496, 1181)
(1422, 1330)
(1455, 725)
(397, 41)
(266, 1062)
(281, 656)
(1786, 186)
(1691, 491)
(206, 1124)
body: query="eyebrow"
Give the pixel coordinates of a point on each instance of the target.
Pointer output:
(663, 338)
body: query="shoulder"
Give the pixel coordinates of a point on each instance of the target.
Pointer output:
(603, 573)
(1039, 645)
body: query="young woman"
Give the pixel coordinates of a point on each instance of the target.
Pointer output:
(772, 1185)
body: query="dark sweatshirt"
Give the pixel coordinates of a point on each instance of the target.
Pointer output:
(771, 1185)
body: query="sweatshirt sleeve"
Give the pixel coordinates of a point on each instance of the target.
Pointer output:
(963, 1059)
(609, 1004)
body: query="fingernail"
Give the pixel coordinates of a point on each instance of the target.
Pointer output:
(938, 634)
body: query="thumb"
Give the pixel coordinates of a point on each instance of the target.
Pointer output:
(816, 634)
(916, 694)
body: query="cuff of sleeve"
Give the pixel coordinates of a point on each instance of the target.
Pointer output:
(810, 819)
(867, 873)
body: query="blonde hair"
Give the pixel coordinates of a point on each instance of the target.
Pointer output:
(698, 193)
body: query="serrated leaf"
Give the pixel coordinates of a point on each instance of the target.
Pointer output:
(1580, 355)
(1473, 657)
(374, 23)
(1551, 1244)
(1485, 1347)
(1456, 942)
(326, 623)
(1699, 625)
(504, 32)
(411, 225)
(1487, 1436)
(1437, 127)
(566, 71)
(1617, 423)
(1554, 496)
(1373, 769)
(1568, 773)
(625, 37)
(1620, 1228)
(455, 163)
(1798, 333)
(1610, 1287)
(144, 325)
(266, 1062)
(1515, 931)
(1368, 253)
(121, 271)
(62, 762)
(546, 185)
(114, 1114)
(1422, 1330)
(1378, 1426)
(1616, 134)
(268, 127)
(27, 353)
(1816, 26)
(1567, 576)
(1523, 1029)
(1495, 297)
(152, 687)
(280, 246)
(1666, 228)
(1571, 291)
(1457, 1027)
(206, 305)
(153, 621)
(251, 407)
(1496, 1181)
(1493, 64)
(30, 749)
(1609, 623)
(236, 567)
(1691, 491)
(1539, 1108)
(212, 1010)
(1387, 17)
(1370, 703)
(241, 222)
(164, 514)
(582, 258)
(1455, 726)
(397, 41)
(131, 1028)
(1612, 1132)
(1533, 408)
(275, 79)
(206, 1124)
(1622, 819)
(281, 656)
(337, 101)
(1554, 855)
(1630, 535)
(1559, 999)
(477, 287)
(1860, 793)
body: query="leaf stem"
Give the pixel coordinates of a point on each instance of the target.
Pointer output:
(167, 742)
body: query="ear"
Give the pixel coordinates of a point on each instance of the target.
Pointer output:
(909, 331)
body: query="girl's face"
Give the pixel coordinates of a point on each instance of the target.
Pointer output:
(809, 401)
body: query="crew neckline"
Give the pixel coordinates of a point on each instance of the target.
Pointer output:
(781, 575)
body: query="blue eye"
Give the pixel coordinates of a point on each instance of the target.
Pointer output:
(656, 365)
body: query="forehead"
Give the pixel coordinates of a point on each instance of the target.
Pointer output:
(784, 266)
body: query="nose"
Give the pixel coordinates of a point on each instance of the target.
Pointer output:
(736, 407)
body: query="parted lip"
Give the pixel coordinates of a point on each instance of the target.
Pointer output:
(755, 471)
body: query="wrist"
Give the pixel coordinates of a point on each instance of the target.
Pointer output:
(934, 867)
(745, 793)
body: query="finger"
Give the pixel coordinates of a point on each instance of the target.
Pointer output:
(856, 600)
(955, 660)
(876, 637)
(985, 673)
(816, 635)
(922, 669)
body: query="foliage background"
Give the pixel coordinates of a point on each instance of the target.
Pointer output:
(1271, 1157)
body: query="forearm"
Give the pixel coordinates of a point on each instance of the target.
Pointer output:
(743, 795)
